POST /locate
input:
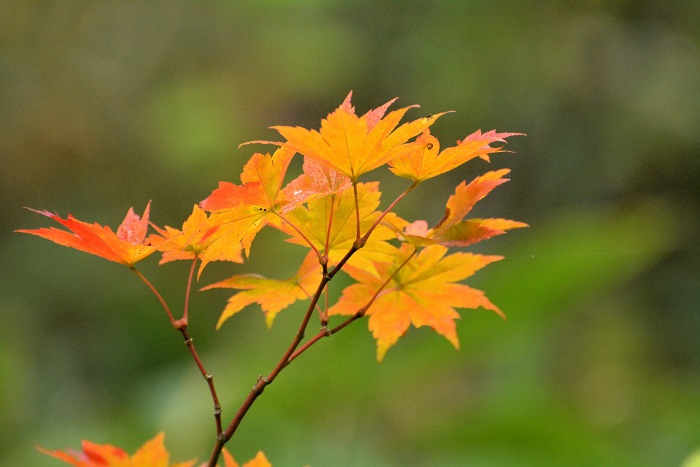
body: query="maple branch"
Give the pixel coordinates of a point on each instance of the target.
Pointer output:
(181, 325)
(262, 382)
(207, 377)
(190, 345)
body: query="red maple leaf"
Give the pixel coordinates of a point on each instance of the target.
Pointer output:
(126, 246)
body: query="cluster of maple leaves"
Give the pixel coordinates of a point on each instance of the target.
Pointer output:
(403, 271)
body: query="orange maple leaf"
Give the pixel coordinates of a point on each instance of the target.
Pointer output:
(240, 211)
(452, 229)
(198, 238)
(425, 160)
(273, 295)
(258, 461)
(355, 145)
(151, 454)
(422, 290)
(126, 246)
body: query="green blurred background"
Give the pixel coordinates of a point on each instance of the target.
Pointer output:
(105, 105)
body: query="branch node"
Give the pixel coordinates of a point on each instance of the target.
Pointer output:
(208, 377)
(259, 386)
(188, 341)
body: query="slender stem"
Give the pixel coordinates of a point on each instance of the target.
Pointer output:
(323, 313)
(262, 382)
(330, 225)
(387, 210)
(208, 378)
(358, 239)
(181, 325)
(187, 292)
(301, 234)
(342, 262)
(174, 322)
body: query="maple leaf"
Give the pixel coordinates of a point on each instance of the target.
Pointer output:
(355, 145)
(258, 461)
(240, 211)
(330, 225)
(425, 160)
(126, 246)
(273, 295)
(423, 292)
(452, 229)
(151, 454)
(196, 238)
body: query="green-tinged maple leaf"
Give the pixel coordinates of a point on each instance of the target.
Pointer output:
(355, 145)
(424, 292)
(126, 246)
(151, 454)
(453, 230)
(196, 238)
(338, 212)
(425, 160)
(273, 295)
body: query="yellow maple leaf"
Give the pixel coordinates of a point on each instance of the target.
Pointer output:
(355, 145)
(423, 292)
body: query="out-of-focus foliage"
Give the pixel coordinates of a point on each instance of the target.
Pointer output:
(107, 105)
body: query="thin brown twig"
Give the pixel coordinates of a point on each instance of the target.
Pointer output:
(302, 235)
(181, 325)
(358, 238)
(263, 382)
(207, 377)
(185, 313)
(388, 209)
(158, 296)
